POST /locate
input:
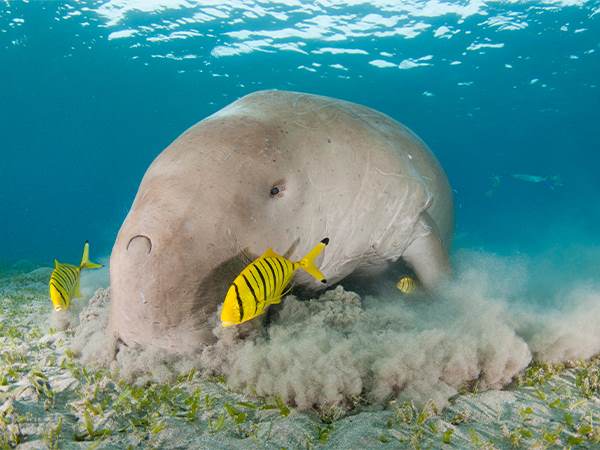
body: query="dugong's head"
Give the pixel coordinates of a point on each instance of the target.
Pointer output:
(227, 189)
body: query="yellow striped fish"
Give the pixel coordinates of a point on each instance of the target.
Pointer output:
(64, 281)
(406, 284)
(262, 283)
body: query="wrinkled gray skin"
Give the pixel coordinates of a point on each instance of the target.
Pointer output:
(344, 171)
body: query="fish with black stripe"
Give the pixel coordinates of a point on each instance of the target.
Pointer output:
(263, 282)
(64, 281)
(406, 285)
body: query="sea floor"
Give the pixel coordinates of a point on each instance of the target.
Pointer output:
(49, 400)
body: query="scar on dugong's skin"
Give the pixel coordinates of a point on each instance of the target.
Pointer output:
(341, 170)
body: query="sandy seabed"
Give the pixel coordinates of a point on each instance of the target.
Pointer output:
(339, 371)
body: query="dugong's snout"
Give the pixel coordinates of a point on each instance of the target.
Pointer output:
(135, 288)
(157, 292)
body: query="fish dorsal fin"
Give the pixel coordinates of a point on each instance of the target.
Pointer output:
(289, 252)
(56, 263)
(269, 253)
(246, 256)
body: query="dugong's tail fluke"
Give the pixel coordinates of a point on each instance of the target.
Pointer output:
(308, 262)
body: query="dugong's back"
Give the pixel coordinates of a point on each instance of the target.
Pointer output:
(273, 169)
(365, 130)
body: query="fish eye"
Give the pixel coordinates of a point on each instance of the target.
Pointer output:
(274, 190)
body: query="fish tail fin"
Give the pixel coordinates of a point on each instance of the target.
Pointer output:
(556, 181)
(308, 262)
(85, 259)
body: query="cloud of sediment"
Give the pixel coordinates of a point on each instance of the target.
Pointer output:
(484, 327)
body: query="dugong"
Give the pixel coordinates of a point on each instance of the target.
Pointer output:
(273, 169)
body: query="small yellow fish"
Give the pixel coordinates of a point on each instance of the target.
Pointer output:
(64, 281)
(406, 285)
(262, 283)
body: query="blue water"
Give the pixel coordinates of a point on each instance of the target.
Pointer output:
(91, 92)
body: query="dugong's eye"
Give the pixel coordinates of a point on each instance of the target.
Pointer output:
(277, 189)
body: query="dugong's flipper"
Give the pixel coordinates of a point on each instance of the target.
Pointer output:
(427, 254)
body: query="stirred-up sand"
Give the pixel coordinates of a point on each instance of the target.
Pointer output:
(469, 370)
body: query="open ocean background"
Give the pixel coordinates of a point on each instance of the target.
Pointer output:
(505, 93)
